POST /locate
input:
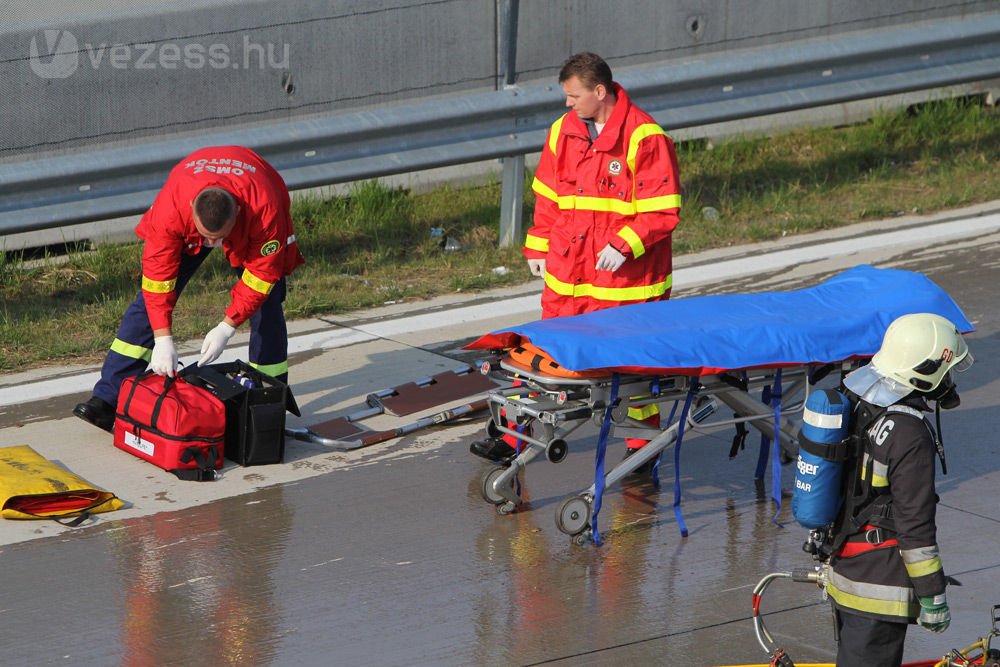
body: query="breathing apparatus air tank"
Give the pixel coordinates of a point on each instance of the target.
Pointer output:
(823, 447)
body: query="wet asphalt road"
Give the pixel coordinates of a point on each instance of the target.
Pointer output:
(393, 558)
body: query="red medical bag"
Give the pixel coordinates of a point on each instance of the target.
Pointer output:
(172, 424)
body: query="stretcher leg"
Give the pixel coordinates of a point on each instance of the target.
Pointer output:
(571, 512)
(744, 404)
(498, 483)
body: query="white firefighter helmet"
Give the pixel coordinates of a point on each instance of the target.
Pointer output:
(917, 352)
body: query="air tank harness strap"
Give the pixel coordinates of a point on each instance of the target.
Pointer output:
(873, 538)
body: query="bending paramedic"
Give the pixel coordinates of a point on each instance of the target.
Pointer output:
(224, 196)
(886, 569)
(607, 198)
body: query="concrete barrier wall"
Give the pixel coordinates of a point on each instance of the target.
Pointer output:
(77, 73)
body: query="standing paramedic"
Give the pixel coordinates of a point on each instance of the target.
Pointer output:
(607, 198)
(220, 196)
(885, 571)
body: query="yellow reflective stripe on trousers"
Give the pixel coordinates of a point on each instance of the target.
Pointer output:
(637, 293)
(632, 239)
(536, 243)
(644, 412)
(274, 370)
(158, 286)
(131, 351)
(255, 283)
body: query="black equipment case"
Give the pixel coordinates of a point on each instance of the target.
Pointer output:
(255, 409)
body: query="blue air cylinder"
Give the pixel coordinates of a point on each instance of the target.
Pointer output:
(823, 446)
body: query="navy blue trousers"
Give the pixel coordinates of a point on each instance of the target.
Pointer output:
(133, 347)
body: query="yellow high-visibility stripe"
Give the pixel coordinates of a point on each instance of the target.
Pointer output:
(543, 190)
(644, 412)
(640, 292)
(664, 203)
(536, 243)
(632, 239)
(131, 351)
(158, 286)
(897, 608)
(554, 132)
(640, 133)
(274, 370)
(923, 568)
(255, 283)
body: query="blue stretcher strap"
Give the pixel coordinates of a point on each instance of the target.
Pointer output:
(602, 446)
(776, 457)
(677, 459)
(656, 463)
(765, 442)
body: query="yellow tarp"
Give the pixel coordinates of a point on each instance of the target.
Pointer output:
(32, 487)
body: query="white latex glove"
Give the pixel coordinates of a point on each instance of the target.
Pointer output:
(610, 259)
(164, 360)
(537, 267)
(215, 343)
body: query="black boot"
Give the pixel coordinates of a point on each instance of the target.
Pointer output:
(493, 449)
(98, 412)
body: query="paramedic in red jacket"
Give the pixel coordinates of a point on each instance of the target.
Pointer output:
(224, 196)
(607, 198)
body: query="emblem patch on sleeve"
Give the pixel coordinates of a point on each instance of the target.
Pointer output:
(270, 248)
(614, 167)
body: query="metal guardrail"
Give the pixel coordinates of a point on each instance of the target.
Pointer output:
(109, 183)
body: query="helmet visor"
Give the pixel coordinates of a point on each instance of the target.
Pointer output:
(875, 388)
(965, 364)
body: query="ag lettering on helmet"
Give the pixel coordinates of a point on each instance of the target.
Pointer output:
(881, 430)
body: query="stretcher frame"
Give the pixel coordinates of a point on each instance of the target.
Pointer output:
(555, 407)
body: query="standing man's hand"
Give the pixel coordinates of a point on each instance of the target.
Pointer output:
(934, 613)
(537, 267)
(164, 360)
(609, 259)
(215, 342)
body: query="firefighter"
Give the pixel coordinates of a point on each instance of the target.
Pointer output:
(886, 569)
(224, 196)
(607, 198)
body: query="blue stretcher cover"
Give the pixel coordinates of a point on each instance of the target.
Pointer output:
(843, 318)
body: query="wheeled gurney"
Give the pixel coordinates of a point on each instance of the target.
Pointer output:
(755, 354)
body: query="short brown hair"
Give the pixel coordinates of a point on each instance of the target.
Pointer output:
(590, 68)
(214, 208)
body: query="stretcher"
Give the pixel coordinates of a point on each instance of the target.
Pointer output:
(348, 432)
(756, 355)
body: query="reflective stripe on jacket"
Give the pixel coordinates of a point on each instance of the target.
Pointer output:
(262, 242)
(622, 189)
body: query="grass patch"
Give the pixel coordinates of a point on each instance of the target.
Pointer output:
(376, 244)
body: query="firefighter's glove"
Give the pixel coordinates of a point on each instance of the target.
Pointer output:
(610, 259)
(934, 613)
(537, 267)
(164, 359)
(215, 343)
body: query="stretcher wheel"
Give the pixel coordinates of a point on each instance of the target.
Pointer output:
(486, 486)
(557, 450)
(582, 538)
(573, 515)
